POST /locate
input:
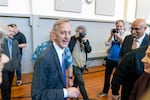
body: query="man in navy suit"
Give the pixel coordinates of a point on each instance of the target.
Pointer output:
(130, 66)
(48, 79)
(138, 29)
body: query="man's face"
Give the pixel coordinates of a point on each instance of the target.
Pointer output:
(146, 60)
(16, 29)
(137, 30)
(62, 35)
(11, 32)
(80, 30)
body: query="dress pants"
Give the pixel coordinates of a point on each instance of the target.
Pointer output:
(78, 81)
(7, 77)
(110, 65)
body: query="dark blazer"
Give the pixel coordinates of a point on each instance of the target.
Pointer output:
(13, 63)
(127, 44)
(127, 72)
(47, 83)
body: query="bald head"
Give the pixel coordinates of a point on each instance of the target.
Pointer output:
(138, 28)
(139, 21)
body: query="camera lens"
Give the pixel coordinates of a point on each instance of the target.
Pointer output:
(114, 31)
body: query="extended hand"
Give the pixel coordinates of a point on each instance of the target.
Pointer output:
(73, 92)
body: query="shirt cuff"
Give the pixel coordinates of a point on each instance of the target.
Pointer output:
(65, 93)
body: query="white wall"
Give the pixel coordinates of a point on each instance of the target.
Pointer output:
(47, 8)
(87, 12)
(124, 9)
(16, 7)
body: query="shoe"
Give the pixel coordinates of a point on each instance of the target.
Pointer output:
(86, 69)
(19, 82)
(102, 94)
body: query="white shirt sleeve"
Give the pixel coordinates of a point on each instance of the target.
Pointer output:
(65, 93)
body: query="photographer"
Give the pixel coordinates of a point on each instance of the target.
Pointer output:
(114, 41)
(79, 47)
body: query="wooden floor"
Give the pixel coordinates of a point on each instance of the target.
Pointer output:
(94, 78)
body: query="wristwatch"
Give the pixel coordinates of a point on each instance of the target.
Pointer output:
(70, 77)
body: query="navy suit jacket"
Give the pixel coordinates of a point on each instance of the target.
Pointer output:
(48, 83)
(127, 44)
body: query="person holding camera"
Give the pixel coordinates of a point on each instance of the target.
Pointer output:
(130, 65)
(114, 41)
(79, 47)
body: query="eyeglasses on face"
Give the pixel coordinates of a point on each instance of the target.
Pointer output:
(136, 29)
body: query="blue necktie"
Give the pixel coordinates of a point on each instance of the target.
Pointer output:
(64, 67)
(10, 47)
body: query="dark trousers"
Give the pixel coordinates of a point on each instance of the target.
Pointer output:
(110, 65)
(18, 70)
(7, 77)
(78, 81)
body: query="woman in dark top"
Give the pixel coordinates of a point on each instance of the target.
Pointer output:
(143, 82)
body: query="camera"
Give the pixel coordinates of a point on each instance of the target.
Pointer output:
(114, 30)
(81, 35)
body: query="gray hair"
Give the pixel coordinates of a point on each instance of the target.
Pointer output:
(59, 22)
(81, 27)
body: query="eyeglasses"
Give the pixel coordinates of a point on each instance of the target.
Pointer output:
(136, 29)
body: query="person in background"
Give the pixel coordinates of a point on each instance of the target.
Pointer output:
(41, 47)
(11, 49)
(3, 58)
(120, 28)
(20, 37)
(79, 47)
(130, 65)
(49, 78)
(114, 41)
(142, 84)
(138, 37)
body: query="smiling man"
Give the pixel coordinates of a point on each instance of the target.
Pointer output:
(49, 79)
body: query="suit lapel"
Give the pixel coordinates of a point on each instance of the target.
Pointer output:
(58, 65)
(129, 43)
(145, 41)
(5, 47)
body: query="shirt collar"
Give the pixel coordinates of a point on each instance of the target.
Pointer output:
(141, 38)
(58, 49)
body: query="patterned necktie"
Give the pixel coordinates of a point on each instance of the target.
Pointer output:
(10, 48)
(64, 67)
(134, 44)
